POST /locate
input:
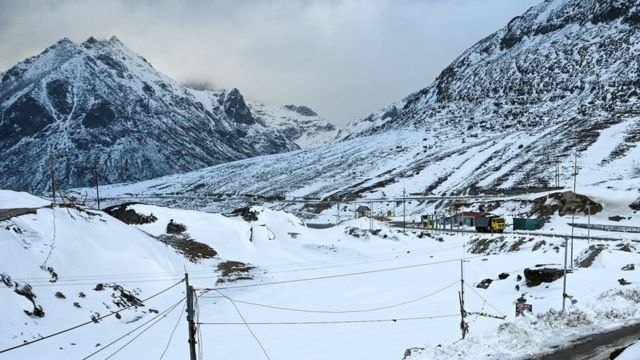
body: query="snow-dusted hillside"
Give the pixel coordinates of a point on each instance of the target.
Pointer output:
(76, 105)
(559, 81)
(306, 293)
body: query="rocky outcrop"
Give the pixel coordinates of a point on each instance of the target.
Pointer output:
(564, 203)
(129, 216)
(535, 277)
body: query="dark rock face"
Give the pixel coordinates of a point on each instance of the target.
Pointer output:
(302, 110)
(25, 117)
(236, 109)
(536, 277)
(98, 102)
(59, 93)
(99, 115)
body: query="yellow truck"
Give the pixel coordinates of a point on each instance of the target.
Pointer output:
(489, 223)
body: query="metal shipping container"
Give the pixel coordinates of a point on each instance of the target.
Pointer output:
(527, 224)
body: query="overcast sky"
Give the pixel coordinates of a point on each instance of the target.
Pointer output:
(344, 59)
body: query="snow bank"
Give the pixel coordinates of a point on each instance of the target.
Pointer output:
(10, 199)
(535, 334)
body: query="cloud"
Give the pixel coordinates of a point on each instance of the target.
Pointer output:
(345, 58)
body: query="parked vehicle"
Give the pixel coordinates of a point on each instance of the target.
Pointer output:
(527, 224)
(490, 223)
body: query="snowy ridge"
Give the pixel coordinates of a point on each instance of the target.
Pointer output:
(559, 80)
(100, 103)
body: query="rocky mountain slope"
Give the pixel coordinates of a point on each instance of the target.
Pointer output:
(299, 124)
(76, 105)
(557, 85)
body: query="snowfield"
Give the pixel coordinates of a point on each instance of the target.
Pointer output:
(342, 292)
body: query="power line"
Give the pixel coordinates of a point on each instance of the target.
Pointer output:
(172, 332)
(343, 311)
(245, 324)
(151, 276)
(334, 322)
(164, 312)
(341, 275)
(88, 322)
(144, 330)
(485, 300)
(365, 261)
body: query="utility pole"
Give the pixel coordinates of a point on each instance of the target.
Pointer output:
(371, 216)
(564, 276)
(573, 225)
(464, 327)
(190, 318)
(404, 210)
(588, 224)
(95, 176)
(575, 171)
(53, 183)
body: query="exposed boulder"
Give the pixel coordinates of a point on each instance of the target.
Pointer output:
(129, 216)
(629, 267)
(484, 284)
(623, 282)
(248, 213)
(588, 255)
(536, 277)
(175, 228)
(503, 276)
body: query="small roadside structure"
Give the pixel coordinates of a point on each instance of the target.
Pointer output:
(527, 224)
(363, 211)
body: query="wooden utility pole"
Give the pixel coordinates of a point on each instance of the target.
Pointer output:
(464, 327)
(573, 225)
(371, 216)
(575, 171)
(588, 224)
(53, 184)
(564, 276)
(95, 176)
(190, 318)
(404, 210)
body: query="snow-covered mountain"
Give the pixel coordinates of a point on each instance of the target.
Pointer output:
(299, 124)
(76, 105)
(559, 81)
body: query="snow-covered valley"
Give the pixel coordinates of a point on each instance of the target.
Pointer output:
(341, 292)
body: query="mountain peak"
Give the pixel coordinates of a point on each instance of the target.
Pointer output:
(115, 41)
